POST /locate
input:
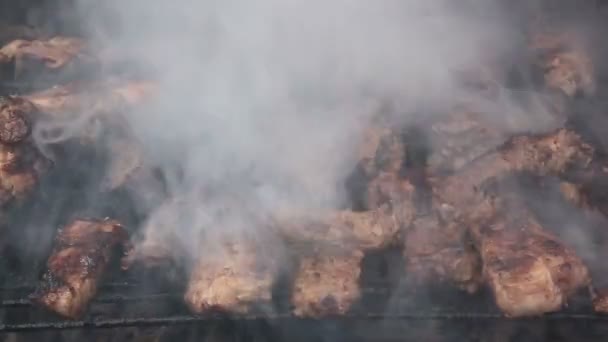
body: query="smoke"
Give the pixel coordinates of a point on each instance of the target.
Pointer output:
(266, 100)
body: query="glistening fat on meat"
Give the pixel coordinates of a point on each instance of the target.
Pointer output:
(82, 253)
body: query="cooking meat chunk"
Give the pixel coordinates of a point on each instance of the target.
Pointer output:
(327, 283)
(81, 256)
(367, 230)
(15, 116)
(565, 62)
(437, 249)
(233, 281)
(392, 203)
(53, 53)
(561, 153)
(528, 269)
(107, 97)
(459, 138)
(382, 150)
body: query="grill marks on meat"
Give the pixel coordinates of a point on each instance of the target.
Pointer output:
(326, 284)
(234, 281)
(82, 253)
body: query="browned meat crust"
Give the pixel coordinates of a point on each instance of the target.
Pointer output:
(80, 258)
(564, 61)
(327, 284)
(366, 230)
(233, 281)
(439, 250)
(529, 270)
(15, 116)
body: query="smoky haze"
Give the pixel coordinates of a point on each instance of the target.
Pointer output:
(275, 93)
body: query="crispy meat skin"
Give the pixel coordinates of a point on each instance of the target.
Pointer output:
(80, 258)
(326, 284)
(15, 116)
(233, 282)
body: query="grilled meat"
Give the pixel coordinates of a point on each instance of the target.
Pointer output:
(382, 150)
(565, 62)
(366, 230)
(54, 53)
(460, 138)
(21, 163)
(15, 116)
(327, 283)
(528, 269)
(82, 254)
(91, 98)
(440, 250)
(234, 281)
(561, 153)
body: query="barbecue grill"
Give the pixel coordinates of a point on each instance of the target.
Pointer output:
(136, 306)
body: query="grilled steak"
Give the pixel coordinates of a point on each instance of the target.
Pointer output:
(81, 256)
(327, 283)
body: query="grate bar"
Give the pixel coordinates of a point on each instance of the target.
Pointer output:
(189, 319)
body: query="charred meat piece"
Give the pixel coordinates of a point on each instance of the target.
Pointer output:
(327, 284)
(528, 269)
(440, 250)
(234, 281)
(81, 256)
(15, 119)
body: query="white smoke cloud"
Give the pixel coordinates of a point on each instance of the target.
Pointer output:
(279, 90)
